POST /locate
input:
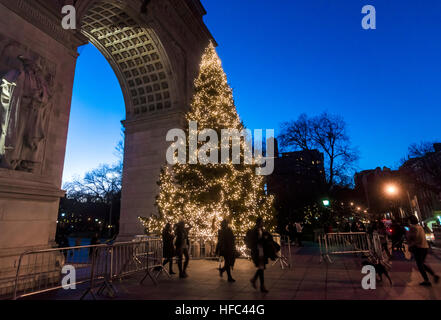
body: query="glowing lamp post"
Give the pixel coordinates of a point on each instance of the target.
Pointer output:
(391, 190)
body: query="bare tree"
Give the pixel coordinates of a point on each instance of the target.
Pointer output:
(328, 134)
(423, 165)
(417, 150)
(119, 149)
(102, 184)
(297, 134)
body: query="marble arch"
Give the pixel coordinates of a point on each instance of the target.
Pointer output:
(155, 56)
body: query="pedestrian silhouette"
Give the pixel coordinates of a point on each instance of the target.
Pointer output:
(168, 248)
(262, 247)
(182, 245)
(419, 247)
(226, 248)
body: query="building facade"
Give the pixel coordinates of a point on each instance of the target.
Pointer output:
(424, 176)
(298, 180)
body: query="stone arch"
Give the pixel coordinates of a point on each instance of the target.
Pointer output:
(155, 56)
(136, 55)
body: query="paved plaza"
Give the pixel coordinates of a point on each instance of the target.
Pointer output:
(307, 279)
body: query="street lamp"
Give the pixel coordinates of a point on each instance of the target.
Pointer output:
(326, 203)
(391, 189)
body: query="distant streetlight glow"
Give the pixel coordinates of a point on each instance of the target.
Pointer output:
(326, 203)
(391, 189)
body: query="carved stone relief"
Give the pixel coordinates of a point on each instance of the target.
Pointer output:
(26, 94)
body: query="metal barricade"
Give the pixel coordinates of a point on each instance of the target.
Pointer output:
(284, 255)
(153, 255)
(42, 270)
(437, 235)
(203, 248)
(98, 265)
(100, 272)
(377, 248)
(345, 243)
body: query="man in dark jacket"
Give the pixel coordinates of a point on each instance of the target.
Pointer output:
(167, 247)
(226, 248)
(262, 247)
(182, 245)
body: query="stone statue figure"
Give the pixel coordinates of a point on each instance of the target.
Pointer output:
(7, 86)
(27, 100)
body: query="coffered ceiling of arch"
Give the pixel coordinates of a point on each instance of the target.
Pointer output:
(135, 55)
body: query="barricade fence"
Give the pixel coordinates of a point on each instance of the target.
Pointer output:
(284, 256)
(99, 265)
(43, 270)
(205, 248)
(349, 243)
(437, 235)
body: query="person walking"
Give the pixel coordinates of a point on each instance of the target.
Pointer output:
(291, 230)
(299, 229)
(419, 247)
(93, 242)
(397, 236)
(182, 244)
(168, 247)
(226, 247)
(64, 243)
(262, 247)
(358, 226)
(384, 238)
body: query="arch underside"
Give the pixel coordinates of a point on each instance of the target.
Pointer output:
(136, 56)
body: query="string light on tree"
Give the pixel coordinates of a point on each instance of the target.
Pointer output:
(204, 194)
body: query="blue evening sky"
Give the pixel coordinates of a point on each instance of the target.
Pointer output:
(286, 57)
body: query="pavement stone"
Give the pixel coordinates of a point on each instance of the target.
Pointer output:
(307, 279)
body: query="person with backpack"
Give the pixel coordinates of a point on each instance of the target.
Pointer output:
(262, 247)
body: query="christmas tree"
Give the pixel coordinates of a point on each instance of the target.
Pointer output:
(203, 195)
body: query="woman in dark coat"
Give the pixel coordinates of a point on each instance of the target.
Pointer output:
(168, 247)
(226, 247)
(262, 248)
